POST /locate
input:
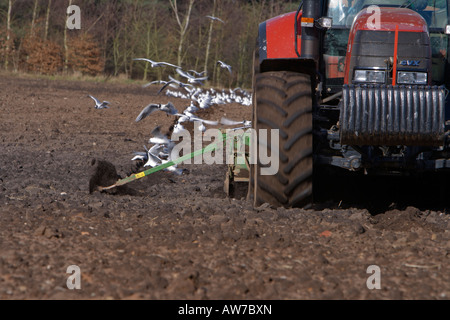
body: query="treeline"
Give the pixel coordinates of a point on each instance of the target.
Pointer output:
(34, 37)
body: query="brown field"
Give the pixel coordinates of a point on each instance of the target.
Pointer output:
(180, 237)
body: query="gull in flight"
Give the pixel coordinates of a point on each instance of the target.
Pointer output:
(191, 78)
(160, 139)
(186, 116)
(159, 154)
(149, 157)
(173, 168)
(198, 74)
(224, 65)
(191, 108)
(162, 149)
(141, 156)
(157, 64)
(152, 160)
(228, 122)
(98, 104)
(168, 108)
(238, 89)
(156, 82)
(201, 126)
(215, 19)
(172, 81)
(178, 128)
(157, 151)
(204, 101)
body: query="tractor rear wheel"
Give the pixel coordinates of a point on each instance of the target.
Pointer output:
(283, 101)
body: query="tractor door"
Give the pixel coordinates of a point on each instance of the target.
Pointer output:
(335, 46)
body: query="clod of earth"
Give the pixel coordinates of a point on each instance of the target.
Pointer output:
(103, 174)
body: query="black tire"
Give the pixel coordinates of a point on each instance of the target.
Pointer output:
(283, 101)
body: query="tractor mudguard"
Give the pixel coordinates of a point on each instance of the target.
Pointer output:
(276, 46)
(276, 38)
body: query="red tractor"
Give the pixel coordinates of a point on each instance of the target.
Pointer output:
(357, 86)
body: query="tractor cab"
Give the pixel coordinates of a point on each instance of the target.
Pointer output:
(343, 13)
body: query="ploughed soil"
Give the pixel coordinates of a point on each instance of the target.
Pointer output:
(180, 237)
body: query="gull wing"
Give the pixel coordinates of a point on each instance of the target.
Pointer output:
(165, 86)
(94, 98)
(174, 80)
(154, 82)
(169, 64)
(197, 73)
(201, 79)
(143, 156)
(215, 18)
(209, 122)
(156, 149)
(229, 122)
(153, 161)
(148, 110)
(170, 109)
(224, 65)
(184, 74)
(159, 137)
(144, 59)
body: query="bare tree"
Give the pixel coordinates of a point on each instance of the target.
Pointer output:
(109, 29)
(33, 19)
(183, 25)
(8, 32)
(47, 18)
(208, 45)
(66, 47)
(258, 9)
(218, 42)
(126, 38)
(151, 44)
(124, 29)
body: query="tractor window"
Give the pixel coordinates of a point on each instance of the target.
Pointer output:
(433, 11)
(335, 44)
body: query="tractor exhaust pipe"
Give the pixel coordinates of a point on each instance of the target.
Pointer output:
(310, 33)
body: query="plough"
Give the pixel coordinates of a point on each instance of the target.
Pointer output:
(236, 171)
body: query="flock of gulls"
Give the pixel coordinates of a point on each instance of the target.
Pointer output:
(192, 89)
